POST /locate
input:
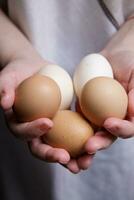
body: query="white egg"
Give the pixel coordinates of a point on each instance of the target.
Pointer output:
(63, 80)
(91, 66)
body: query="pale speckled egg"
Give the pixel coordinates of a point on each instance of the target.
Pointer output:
(70, 132)
(101, 98)
(36, 97)
(91, 66)
(63, 80)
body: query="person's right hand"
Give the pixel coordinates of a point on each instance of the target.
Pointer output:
(20, 60)
(10, 77)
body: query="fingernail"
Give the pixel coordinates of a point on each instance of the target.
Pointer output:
(44, 127)
(75, 172)
(91, 153)
(111, 128)
(64, 161)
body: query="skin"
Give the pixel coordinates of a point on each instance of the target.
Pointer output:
(20, 60)
(120, 53)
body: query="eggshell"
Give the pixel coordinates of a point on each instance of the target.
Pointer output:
(70, 132)
(36, 97)
(103, 97)
(63, 80)
(91, 66)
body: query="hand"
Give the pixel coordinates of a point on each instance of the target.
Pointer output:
(20, 60)
(10, 77)
(123, 67)
(120, 54)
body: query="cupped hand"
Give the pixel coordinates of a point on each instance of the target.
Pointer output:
(122, 62)
(120, 53)
(123, 67)
(10, 77)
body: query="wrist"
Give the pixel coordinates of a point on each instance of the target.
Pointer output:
(29, 56)
(130, 20)
(131, 16)
(23, 67)
(20, 69)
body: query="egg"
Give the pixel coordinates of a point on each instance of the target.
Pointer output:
(36, 97)
(70, 132)
(63, 80)
(91, 66)
(103, 97)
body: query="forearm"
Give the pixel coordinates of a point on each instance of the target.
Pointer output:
(123, 40)
(13, 44)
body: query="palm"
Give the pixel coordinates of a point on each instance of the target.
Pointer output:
(19, 70)
(123, 68)
(11, 77)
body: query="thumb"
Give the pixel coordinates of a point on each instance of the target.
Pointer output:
(7, 95)
(131, 104)
(27, 130)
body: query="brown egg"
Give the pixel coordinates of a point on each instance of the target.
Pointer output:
(36, 97)
(70, 132)
(103, 97)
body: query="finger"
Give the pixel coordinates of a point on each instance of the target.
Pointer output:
(28, 130)
(7, 96)
(73, 166)
(131, 103)
(85, 161)
(48, 153)
(101, 140)
(119, 128)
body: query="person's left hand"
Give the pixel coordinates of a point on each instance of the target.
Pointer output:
(120, 53)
